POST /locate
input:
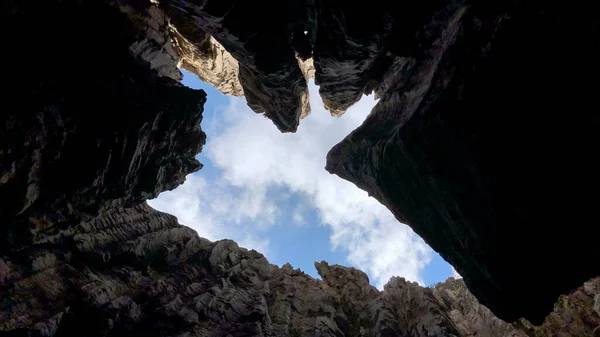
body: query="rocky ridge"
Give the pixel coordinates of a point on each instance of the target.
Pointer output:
(137, 271)
(425, 61)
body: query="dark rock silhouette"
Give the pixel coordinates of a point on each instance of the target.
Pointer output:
(462, 146)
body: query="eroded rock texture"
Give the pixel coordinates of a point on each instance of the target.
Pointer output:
(136, 271)
(206, 58)
(573, 315)
(481, 142)
(269, 73)
(117, 136)
(471, 318)
(81, 253)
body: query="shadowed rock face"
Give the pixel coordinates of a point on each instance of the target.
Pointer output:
(136, 271)
(481, 143)
(357, 43)
(268, 69)
(116, 136)
(573, 315)
(81, 253)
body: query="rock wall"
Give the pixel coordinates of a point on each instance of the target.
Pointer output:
(96, 123)
(573, 315)
(72, 143)
(207, 59)
(137, 272)
(481, 141)
(268, 69)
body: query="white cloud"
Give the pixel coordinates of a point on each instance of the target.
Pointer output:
(256, 158)
(216, 212)
(455, 274)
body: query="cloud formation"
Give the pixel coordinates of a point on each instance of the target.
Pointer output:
(455, 274)
(255, 160)
(217, 211)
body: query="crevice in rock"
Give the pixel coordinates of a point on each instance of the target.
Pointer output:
(447, 149)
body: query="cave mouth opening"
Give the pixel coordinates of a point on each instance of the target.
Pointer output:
(269, 191)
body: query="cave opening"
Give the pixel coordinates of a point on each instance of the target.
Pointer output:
(269, 191)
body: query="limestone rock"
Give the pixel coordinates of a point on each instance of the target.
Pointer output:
(206, 58)
(269, 73)
(308, 68)
(155, 45)
(68, 147)
(573, 315)
(473, 144)
(136, 271)
(349, 50)
(471, 318)
(81, 253)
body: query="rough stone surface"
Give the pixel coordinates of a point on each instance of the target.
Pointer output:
(471, 318)
(573, 315)
(268, 70)
(155, 44)
(475, 144)
(349, 50)
(207, 59)
(82, 254)
(136, 271)
(121, 137)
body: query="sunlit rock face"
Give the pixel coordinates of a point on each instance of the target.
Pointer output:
(97, 123)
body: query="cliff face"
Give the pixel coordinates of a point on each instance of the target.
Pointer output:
(269, 73)
(138, 272)
(206, 58)
(475, 144)
(82, 254)
(73, 144)
(462, 145)
(573, 315)
(471, 318)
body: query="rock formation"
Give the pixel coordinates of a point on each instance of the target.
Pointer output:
(268, 69)
(136, 271)
(206, 58)
(481, 141)
(97, 123)
(573, 315)
(85, 144)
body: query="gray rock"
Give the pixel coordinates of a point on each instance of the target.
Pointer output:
(81, 253)
(459, 148)
(136, 270)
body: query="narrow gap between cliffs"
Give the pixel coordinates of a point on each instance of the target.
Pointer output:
(269, 191)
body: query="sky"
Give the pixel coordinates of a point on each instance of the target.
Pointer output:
(270, 192)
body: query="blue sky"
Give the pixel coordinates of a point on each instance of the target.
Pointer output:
(270, 192)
